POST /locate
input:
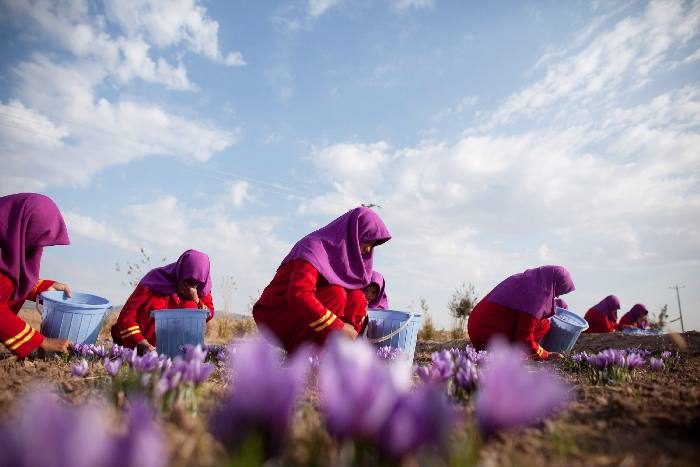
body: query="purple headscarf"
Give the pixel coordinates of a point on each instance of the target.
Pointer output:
(637, 312)
(381, 301)
(334, 250)
(192, 264)
(561, 303)
(534, 290)
(608, 307)
(28, 222)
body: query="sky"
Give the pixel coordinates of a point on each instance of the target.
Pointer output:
(494, 136)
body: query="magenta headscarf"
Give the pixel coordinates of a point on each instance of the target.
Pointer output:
(334, 250)
(637, 312)
(534, 290)
(561, 303)
(192, 264)
(608, 307)
(28, 223)
(381, 302)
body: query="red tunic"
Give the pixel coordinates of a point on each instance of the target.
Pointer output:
(598, 323)
(626, 320)
(490, 319)
(299, 306)
(19, 337)
(135, 323)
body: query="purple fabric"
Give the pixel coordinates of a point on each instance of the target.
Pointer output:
(192, 264)
(28, 223)
(608, 307)
(381, 302)
(561, 303)
(534, 290)
(334, 250)
(637, 312)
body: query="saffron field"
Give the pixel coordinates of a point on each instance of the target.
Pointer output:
(617, 400)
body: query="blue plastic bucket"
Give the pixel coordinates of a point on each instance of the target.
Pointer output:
(78, 319)
(396, 329)
(563, 333)
(178, 327)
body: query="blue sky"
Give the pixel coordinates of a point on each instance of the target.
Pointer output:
(496, 136)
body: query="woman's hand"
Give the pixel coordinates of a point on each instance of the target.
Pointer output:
(349, 331)
(144, 347)
(58, 286)
(188, 291)
(54, 345)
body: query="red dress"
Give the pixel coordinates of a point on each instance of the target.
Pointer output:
(19, 337)
(491, 319)
(299, 306)
(135, 323)
(598, 323)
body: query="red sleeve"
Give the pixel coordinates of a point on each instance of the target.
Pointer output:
(40, 286)
(207, 302)
(301, 298)
(127, 324)
(525, 332)
(19, 337)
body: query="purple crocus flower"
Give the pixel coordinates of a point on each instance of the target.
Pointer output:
(358, 391)
(633, 361)
(657, 364)
(443, 365)
(512, 395)
(112, 366)
(261, 398)
(116, 351)
(148, 362)
(665, 354)
(419, 418)
(467, 375)
(80, 369)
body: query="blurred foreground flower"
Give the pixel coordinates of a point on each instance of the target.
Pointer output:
(45, 432)
(259, 404)
(512, 395)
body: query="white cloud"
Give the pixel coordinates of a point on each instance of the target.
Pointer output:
(318, 7)
(404, 5)
(94, 132)
(629, 53)
(87, 227)
(167, 23)
(238, 192)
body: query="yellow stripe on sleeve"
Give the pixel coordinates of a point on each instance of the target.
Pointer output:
(325, 325)
(323, 318)
(23, 341)
(129, 329)
(36, 287)
(135, 331)
(9, 341)
(540, 350)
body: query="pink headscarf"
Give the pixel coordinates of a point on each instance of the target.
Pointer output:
(334, 250)
(561, 303)
(608, 307)
(28, 223)
(534, 290)
(192, 264)
(381, 301)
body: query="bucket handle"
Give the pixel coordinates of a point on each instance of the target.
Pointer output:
(392, 333)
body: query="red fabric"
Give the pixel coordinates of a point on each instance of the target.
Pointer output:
(19, 337)
(490, 319)
(598, 323)
(300, 306)
(626, 320)
(135, 323)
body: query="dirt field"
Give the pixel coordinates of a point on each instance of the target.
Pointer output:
(653, 420)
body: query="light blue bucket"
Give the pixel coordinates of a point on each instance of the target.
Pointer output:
(396, 329)
(564, 331)
(178, 327)
(78, 319)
